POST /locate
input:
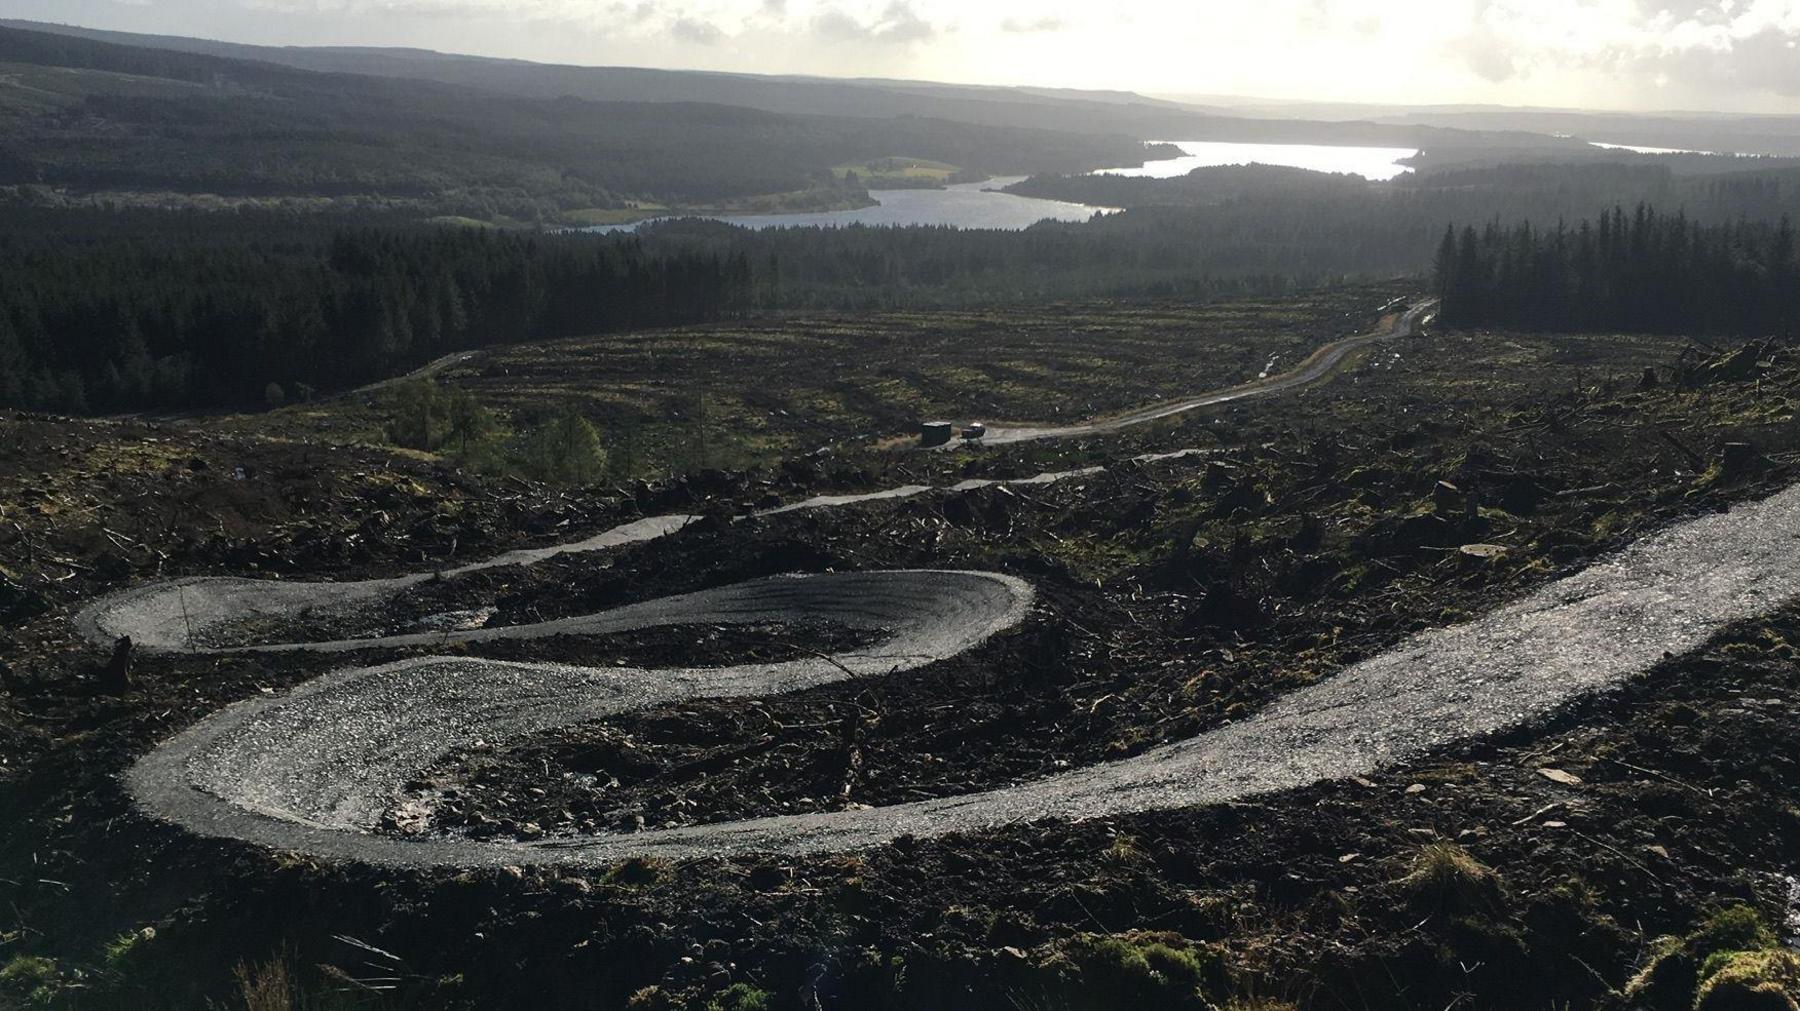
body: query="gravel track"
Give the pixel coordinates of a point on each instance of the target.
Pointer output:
(315, 769)
(1317, 366)
(312, 771)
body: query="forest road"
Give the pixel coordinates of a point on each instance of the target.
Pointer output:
(1317, 366)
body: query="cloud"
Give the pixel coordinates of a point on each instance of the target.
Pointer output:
(637, 13)
(1689, 48)
(1489, 55)
(897, 24)
(1767, 61)
(703, 33)
(1025, 26)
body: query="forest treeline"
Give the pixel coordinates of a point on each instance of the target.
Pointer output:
(124, 309)
(106, 311)
(165, 322)
(1638, 271)
(1724, 189)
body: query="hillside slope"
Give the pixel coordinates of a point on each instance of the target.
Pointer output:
(97, 117)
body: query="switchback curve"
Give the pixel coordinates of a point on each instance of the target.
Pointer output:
(234, 774)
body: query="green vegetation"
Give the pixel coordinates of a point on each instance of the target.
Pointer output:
(562, 449)
(1731, 960)
(900, 173)
(31, 978)
(119, 951)
(594, 216)
(1104, 972)
(741, 997)
(427, 417)
(1747, 980)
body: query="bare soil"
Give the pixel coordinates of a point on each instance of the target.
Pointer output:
(1174, 596)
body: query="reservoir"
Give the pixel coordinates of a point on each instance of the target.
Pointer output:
(963, 205)
(1375, 163)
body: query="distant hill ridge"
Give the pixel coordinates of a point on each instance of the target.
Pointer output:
(1066, 110)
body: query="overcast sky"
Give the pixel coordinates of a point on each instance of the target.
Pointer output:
(1741, 55)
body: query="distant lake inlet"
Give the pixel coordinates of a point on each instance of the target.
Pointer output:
(964, 205)
(1375, 163)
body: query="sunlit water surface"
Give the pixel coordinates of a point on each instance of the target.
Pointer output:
(964, 205)
(1368, 162)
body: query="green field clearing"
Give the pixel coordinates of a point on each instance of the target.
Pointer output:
(878, 169)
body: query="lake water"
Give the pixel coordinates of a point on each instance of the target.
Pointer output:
(981, 205)
(1641, 149)
(964, 205)
(1368, 162)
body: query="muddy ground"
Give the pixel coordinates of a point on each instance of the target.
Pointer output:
(1439, 477)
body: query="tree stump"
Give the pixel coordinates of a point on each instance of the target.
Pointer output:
(115, 678)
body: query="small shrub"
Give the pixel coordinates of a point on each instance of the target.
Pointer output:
(418, 415)
(564, 450)
(427, 417)
(119, 949)
(741, 997)
(32, 977)
(471, 432)
(649, 998)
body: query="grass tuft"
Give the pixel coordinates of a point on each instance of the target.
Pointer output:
(1446, 879)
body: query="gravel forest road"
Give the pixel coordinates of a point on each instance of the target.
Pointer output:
(1317, 366)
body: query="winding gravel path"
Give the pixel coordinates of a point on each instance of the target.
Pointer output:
(181, 615)
(315, 769)
(1317, 366)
